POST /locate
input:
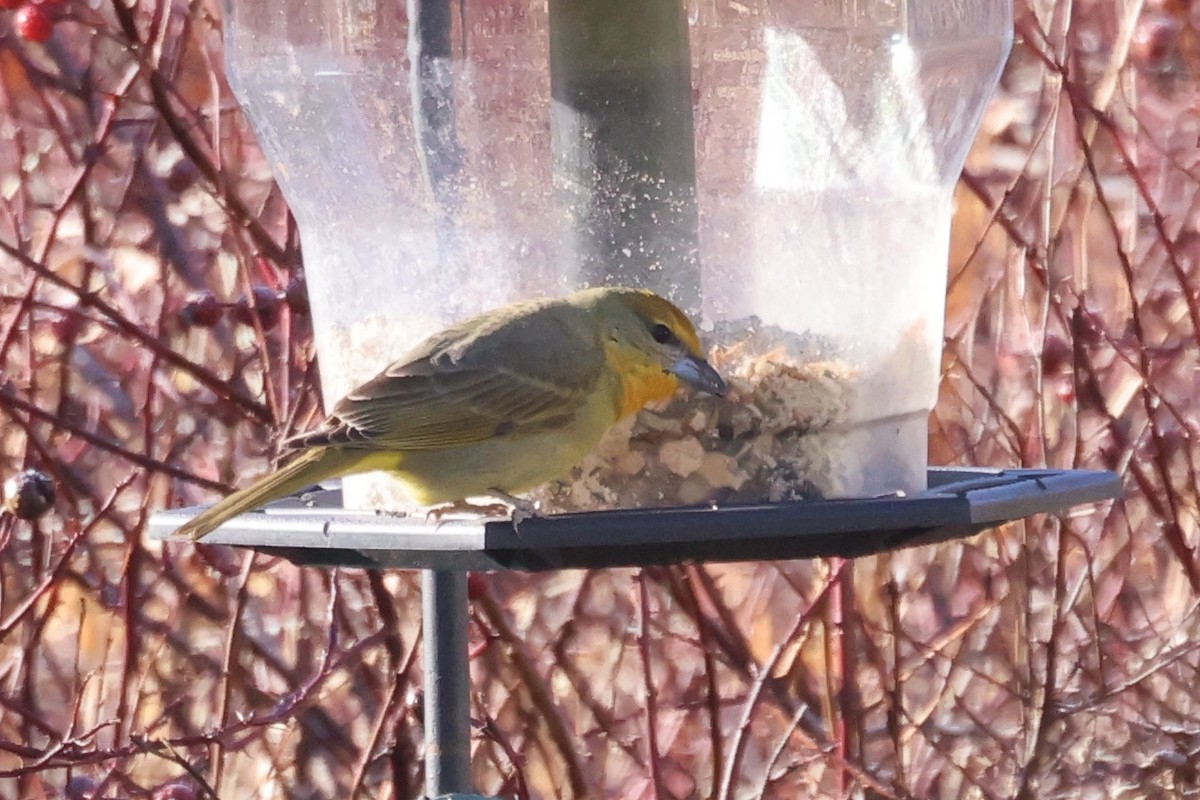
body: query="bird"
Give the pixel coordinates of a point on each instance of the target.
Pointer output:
(496, 404)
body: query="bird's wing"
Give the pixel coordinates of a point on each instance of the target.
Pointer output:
(477, 381)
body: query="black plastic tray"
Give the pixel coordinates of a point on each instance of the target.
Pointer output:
(313, 529)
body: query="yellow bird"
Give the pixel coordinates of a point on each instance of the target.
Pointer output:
(497, 404)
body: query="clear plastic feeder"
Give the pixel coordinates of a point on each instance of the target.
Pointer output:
(782, 170)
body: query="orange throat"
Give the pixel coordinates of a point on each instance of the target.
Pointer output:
(640, 383)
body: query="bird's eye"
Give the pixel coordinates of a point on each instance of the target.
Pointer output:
(662, 334)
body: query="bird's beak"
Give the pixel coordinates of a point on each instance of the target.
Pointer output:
(698, 373)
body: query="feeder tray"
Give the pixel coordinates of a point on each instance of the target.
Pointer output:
(312, 529)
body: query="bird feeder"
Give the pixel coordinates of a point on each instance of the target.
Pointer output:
(783, 171)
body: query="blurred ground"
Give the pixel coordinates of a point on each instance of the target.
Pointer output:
(1054, 658)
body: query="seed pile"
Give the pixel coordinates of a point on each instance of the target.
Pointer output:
(771, 439)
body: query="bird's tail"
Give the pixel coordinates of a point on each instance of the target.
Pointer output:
(308, 468)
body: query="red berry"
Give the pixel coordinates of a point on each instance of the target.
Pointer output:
(266, 306)
(201, 310)
(174, 791)
(29, 494)
(1156, 41)
(34, 23)
(81, 787)
(1057, 356)
(182, 176)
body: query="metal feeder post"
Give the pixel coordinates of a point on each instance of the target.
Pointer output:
(623, 139)
(447, 683)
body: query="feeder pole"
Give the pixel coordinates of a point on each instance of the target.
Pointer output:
(438, 151)
(447, 683)
(623, 139)
(430, 53)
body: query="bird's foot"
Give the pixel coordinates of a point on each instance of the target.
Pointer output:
(438, 512)
(521, 509)
(518, 509)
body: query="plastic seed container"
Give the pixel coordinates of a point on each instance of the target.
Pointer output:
(784, 171)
